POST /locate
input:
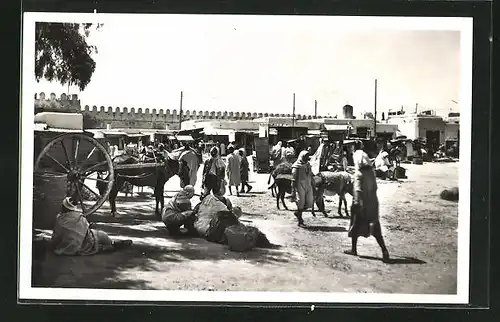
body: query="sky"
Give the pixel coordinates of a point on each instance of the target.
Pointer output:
(256, 67)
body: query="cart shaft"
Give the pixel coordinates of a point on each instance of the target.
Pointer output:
(138, 166)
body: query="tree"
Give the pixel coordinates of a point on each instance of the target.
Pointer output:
(63, 54)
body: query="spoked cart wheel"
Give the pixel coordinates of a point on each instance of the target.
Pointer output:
(80, 157)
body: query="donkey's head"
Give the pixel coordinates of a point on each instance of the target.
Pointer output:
(177, 167)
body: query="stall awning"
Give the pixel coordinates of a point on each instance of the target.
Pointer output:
(336, 127)
(113, 133)
(136, 135)
(164, 132)
(209, 131)
(189, 131)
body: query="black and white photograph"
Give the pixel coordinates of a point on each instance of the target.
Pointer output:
(245, 158)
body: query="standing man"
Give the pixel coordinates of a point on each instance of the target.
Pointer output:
(213, 174)
(244, 170)
(365, 207)
(222, 149)
(233, 170)
(302, 185)
(190, 156)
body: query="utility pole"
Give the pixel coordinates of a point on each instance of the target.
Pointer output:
(375, 115)
(416, 108)
(315, 108)
(180, 112)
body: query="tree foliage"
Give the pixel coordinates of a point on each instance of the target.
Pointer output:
(63, 54)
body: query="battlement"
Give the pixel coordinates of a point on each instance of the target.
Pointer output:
(64, 102)
(99, 117)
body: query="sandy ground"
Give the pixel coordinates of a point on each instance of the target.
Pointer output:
(419, 228)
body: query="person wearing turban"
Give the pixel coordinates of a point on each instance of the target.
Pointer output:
(178, 212)
(214, 172)
(302, 185)
(73, 235)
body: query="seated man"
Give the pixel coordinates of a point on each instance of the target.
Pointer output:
(178, 212)
(72, 234)
(383, 167)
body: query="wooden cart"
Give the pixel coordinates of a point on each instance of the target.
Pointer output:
(76, 157)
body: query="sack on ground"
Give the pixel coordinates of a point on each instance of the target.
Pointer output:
(241, 238)
(220, 221)
(206, 210)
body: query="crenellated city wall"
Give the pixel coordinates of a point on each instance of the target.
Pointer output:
(123, 117)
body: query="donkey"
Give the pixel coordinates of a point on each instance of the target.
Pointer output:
(282, 168)
(338, 183)
(145, 177)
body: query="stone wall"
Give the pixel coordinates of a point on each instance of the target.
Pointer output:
(125, 117)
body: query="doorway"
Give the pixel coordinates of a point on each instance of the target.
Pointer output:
(432, 140)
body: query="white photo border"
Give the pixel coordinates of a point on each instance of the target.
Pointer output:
(27, 292)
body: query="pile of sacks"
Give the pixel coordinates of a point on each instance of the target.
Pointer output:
(218, 222)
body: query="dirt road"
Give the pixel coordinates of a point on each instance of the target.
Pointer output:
(420, 232)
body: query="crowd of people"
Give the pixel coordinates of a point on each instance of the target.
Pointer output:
(73, 235)
(334, 154)
(236, 168)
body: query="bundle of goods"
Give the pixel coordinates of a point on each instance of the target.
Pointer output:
(216, 223)
(450, 194)
(205, 211)
(242, 238)
(400, 173)
(283, 171)
(283, 168)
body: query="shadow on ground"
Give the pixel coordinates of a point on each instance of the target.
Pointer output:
(152, 249)
(397, 260)
(325, 228)
(127, 215)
